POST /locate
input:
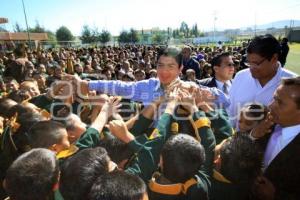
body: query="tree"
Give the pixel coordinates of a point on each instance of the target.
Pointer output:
(86, 35)
(124, 37)
(158, 38)
(3, 29)
(51, 36)
(184, 28)
(95, 35)
(195, 31)
(104, 37)
(37, 29)
(64, 34)
(18, 28)
(134, 36)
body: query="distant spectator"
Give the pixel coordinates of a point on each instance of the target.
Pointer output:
(284, 51)
(189, 62)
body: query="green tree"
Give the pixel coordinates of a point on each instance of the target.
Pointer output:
(158, 38)
(18, 28)
(64, 34)
(95, 35)
(195, 31)
(86, 35)
(124, 37)
(3, 29)
(184, 28)
(104, 37)
(51, 36)
(37, 28)
(134, 37)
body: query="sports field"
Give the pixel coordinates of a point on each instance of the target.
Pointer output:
(293, 59)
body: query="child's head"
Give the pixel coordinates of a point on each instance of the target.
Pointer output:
(32, 176)
(182, 157)
(79, 172)
(118, 151)
(75, 127)
(31, 87)
(240, 159)
(118, 185)
(5, 105)
(49, 134)
(251, 115)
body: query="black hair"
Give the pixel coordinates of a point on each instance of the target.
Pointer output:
(32, 176)
(19, 96)
(264, 45)
(45, 133)
(217, 59)
(20, 137)
(241, 159)
(182, 157)
(173, 52)
(293, 82)
(14, 141)
(116, 149)
(5, 105)
(16, 70)
(79, 172)
(20, 50)
(118, 185)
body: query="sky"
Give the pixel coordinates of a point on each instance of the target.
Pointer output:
(118, 15)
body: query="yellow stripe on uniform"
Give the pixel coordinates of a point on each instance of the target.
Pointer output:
(171, 189)
(204, 121)
(219, 177)
(66, 153)
(188, 184)
(155, 133)
(174, 189)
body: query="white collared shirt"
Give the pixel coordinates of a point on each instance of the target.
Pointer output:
(221, 84)
(247, 90)
(280, 138)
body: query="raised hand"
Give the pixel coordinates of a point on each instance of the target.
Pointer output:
(187, 100)
(264, 127)
(119, 129)
(111, 106)
(80, 87)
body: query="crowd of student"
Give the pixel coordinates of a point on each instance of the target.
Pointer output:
(149, 122)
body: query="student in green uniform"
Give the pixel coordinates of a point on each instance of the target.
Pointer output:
(32, 176)
(184, 172)
(237, 165)
(53, 135)
(220, 124)
(13, 141)
(79, 172)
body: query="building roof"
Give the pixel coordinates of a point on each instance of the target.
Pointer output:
(3, 20)
(23, 36)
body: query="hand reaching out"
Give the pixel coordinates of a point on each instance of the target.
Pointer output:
(111, 107)
(119, 129)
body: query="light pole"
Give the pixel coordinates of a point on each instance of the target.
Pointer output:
(215, 19)
(29, 41)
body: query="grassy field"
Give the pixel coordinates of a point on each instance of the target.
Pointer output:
(293, 59)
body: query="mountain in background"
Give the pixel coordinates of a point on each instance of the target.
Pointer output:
(278, 24)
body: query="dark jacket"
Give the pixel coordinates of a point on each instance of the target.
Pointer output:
(209, 82)
(283, 171)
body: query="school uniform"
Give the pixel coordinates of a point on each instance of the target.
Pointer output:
(198, 185)
(220, 124)
(222, 188)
